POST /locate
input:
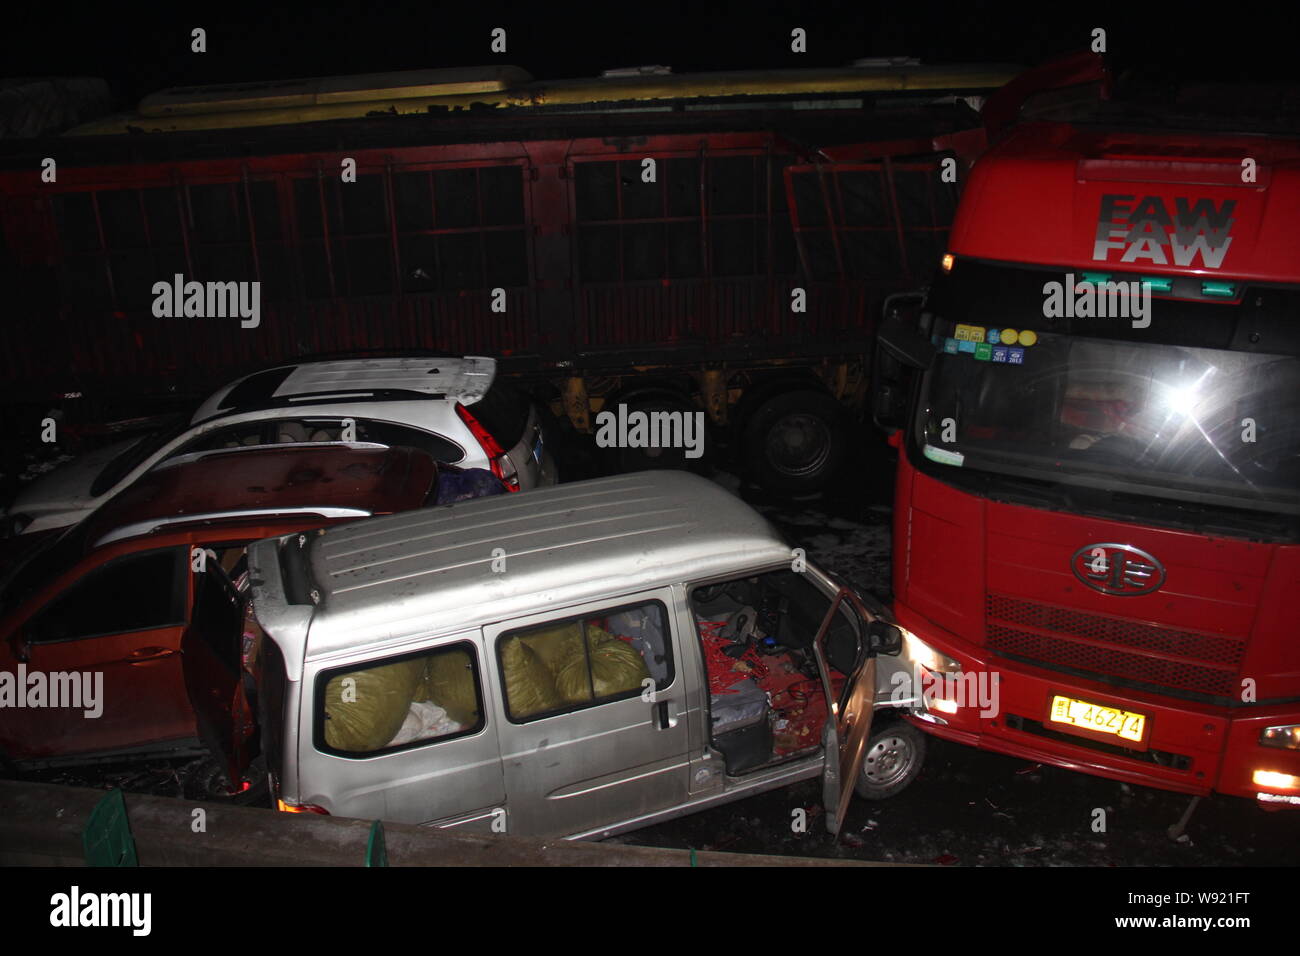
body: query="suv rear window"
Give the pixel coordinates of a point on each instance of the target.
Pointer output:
(256, 390)
(503, 411)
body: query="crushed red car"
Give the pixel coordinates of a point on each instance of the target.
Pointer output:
(103, 623)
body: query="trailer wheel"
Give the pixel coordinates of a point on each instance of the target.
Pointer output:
(795, 441)
(645, 459)
(893, 757)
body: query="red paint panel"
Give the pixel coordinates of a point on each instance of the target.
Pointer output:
(1054, 167)
(946, 563)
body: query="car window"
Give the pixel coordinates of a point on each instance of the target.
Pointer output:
(504, 412)
(134, 593)
(133, 456)
(381, 433)
(218, 616)
(583, 661)
(785, 609)
(232, 436)
(397, 703)
(319, 429)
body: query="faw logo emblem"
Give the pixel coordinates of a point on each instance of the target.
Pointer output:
(1118, 569)
(1148, 231)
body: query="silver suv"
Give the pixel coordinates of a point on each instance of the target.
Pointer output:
(451, 408)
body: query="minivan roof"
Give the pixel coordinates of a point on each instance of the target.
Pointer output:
(429, 571)
(464, 380)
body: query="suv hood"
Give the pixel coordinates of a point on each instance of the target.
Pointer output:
(63, 497)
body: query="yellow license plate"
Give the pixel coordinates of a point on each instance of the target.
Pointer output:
(1083, 715)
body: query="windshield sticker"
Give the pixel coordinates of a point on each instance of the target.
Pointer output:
(969, 333)
(1144, 229)
(942, 456)
(985, 352)
(1011, 337)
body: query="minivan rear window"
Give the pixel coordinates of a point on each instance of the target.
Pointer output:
(399, 702)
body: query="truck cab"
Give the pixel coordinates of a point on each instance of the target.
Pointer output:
(1098, 495)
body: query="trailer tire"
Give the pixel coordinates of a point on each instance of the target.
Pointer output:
(647, 459)
(893, 757)
(795, 441)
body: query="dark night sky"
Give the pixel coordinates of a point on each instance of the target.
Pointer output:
(144, 47)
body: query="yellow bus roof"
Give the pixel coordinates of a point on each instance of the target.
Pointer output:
(279, 102)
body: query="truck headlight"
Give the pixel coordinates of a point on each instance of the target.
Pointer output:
(926, 656)
(1275, 780)
(1285, 737)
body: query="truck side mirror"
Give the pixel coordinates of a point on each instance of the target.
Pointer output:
(885, 638)
(901, 350)
(901, 338)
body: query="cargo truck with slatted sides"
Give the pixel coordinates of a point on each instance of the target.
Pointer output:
(717, 242)
(1097, 411)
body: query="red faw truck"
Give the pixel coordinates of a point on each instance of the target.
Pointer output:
(1097, 511)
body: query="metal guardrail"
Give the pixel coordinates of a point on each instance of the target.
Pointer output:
(50, 825)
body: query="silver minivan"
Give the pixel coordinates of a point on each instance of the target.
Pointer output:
(576, 662)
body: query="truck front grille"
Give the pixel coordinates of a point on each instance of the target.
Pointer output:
(1115, 649)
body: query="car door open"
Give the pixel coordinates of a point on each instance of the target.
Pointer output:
(848, 725)
(214, 677)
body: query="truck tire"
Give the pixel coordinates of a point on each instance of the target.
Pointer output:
(794, 442)
(643, 459)
(893, 757)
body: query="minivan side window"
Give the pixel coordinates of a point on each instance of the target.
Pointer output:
(399, 703)
(135, 593)
(583, 661)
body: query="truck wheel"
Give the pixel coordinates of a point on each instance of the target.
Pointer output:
(893, 758)
(794, 442)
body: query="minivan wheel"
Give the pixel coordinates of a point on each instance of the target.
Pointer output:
(892, 759)
(795, 441)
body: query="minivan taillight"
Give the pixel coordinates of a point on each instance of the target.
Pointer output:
(300, 808)
(500, 462)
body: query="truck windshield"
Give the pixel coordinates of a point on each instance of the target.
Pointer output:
(1100, 403)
